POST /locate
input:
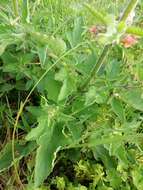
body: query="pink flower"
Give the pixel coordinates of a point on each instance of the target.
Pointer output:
(93, 30)
(129, 41)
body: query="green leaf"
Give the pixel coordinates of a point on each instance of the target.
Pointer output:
(118, 150)
(57, 46)
(61, 75)
(46, 135)
(3, 47)
(35, 133)
(113, 70)
(98, 15)
(21, 150)
(47, 151)
(101, 153)
(50, 85)
(77, 31)
(94, 94)
(133, 97)
(95, 139)
(75, 37)
(86, 63)
(68, 87)
(44, 158)
(64, 90)
(114, 178)
(36, 111)
(135, 31)
(42, 51)
(25, 11)
(117, 107)
(6, 87)
(137, 175)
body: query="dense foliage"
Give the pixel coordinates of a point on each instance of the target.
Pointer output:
(71, 95)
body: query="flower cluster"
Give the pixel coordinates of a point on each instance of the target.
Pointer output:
(127, 41)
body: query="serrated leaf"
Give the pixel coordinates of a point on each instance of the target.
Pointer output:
(46, 153)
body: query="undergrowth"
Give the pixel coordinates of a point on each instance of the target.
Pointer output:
(71, 99)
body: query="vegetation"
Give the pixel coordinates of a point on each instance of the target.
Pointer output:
(71, 95)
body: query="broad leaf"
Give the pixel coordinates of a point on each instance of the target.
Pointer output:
(46, 153)
(50, 139)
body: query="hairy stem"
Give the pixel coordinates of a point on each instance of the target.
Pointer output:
(98, 65)
(15, 7)
(25, 11)
(130, 7)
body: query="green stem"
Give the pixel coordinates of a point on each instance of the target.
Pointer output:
(25, 11)
(15, 7)
(98, 65)
(131, 6)
(101, 59)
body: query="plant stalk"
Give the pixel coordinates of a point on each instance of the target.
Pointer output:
(25, 11)
(130, 7)
(15, 7)
(98, 65)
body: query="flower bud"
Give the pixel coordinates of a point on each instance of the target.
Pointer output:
(129, 41)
